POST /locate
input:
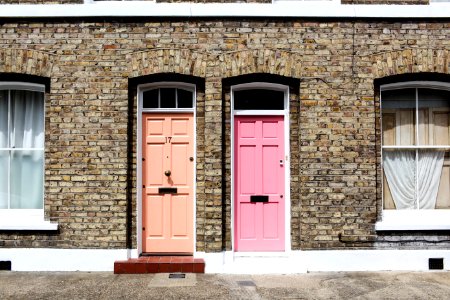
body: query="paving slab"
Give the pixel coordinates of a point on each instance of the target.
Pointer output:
(339, 285)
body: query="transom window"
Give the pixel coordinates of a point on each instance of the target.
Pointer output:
(21, 146)
(258, 99)
(168, 98)
(416, 146)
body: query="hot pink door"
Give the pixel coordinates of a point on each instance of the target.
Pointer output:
(167, 178)
(259, 183)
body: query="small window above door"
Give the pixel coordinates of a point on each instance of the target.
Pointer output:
(164, 98)
(258, 99)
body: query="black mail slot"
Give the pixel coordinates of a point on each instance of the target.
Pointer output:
(259, 198)
(167, 190)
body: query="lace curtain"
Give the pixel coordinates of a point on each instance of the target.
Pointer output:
(400, 170)
(21, 130)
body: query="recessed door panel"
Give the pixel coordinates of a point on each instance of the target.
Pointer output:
(259, 183)
(181, 167)
(180, 219)
(248, 221)
(247, 169)
(167, 179)
(155, 170)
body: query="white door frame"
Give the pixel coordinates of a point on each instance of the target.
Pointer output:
(287, 171)
(140, 110)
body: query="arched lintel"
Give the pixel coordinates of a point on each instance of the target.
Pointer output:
(406, 77)
(199, 82)
(262, 77)
(26, 78)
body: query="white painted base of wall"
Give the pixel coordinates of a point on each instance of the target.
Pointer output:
(233, 263)
(30, 259)
(324, 261)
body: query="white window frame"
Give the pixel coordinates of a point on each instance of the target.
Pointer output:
(25, 219)
(417, 219)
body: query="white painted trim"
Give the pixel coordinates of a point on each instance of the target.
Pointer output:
(324, 261)
(418, 219)
(244, 112)
(277, 9)
(44, 259)
(287, 164)
(25, 219)
(23, 86)
(140, 110)
(438, 85)
(425, 219)
(168, 84)
(438, 147)
(41, 259)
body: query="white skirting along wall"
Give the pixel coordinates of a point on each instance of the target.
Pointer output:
(233, 263)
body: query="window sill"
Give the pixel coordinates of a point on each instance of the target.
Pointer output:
(25, 219)
(409, 220)
(43, 225)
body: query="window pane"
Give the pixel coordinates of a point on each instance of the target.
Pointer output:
(259, 99)
(185, 99)
(27, 119)
(3, 119)
(151, 99)
(4, 154)
(399, 117)
(443, 195)
(403, 98)
(434, 117)
(27, 179)
(167, 97)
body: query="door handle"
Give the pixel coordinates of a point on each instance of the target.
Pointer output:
(167, 173)
(281, 162)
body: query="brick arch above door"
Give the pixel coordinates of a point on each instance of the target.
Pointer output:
(410, 61)
(24, 61)
(268, 61)
(181, 61)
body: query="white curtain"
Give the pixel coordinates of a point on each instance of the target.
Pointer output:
(4, 154)
(429, 175)
(23, 161)
(400, 170)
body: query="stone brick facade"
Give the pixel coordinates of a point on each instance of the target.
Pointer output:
(93, 67)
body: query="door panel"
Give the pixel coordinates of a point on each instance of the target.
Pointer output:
(167, 217)
(259, 165)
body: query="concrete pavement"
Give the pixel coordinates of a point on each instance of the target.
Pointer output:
(102, 285)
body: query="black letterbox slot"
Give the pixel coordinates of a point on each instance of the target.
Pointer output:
(259, 198)
(167, 190)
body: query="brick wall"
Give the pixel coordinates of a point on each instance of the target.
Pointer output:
(90, 124)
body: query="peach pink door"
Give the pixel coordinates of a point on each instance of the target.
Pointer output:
(259, 183)
(167, 194)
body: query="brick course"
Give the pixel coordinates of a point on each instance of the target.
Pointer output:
(335, 187)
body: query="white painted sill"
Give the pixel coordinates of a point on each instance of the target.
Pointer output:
(404, 220)
(25, 219)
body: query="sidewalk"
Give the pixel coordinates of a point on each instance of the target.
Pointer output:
(82, 285)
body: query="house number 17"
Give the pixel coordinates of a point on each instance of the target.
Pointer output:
(168, 139)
